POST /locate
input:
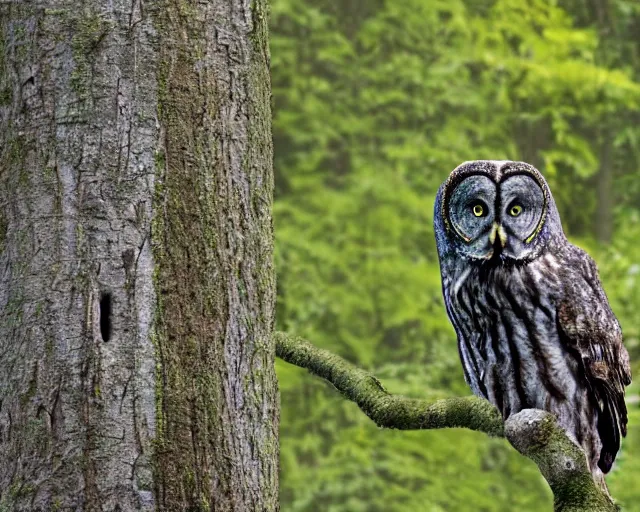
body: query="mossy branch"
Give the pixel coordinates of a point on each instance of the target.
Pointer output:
(385, 409)
(534, 433)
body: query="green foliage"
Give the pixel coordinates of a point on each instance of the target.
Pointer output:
(375, 103)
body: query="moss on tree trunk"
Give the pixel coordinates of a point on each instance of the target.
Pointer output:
(136, 279)
(217, 396)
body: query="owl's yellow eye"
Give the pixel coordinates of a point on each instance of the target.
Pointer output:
(515, 210)
(478, 210)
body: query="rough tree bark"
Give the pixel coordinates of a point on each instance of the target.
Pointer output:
(136, 279)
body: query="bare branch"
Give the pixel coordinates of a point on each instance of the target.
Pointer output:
(533, 433)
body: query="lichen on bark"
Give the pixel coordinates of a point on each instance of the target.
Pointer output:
(77, 138)
(217, 401)
(104, 110)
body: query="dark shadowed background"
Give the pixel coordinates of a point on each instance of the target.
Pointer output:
(375, 103)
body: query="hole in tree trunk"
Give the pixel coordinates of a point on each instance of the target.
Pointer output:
(105, 316)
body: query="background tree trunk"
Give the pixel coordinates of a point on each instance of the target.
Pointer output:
(136, 278)
(605, 196)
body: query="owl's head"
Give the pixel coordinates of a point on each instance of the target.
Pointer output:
(496, 210)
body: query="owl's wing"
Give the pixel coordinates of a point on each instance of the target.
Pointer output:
(590, 329)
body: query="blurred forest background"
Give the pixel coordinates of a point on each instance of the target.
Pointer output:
(375, 103)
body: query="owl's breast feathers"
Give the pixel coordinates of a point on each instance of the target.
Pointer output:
(542, 335)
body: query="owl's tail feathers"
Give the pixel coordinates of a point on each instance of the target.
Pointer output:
(612, 424)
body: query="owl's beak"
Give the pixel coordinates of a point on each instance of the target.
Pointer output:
(498, 231)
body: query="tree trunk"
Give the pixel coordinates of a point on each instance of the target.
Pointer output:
(604, 187)
(136, 279)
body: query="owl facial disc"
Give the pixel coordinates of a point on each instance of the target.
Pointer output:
(495, 214)
(472, 213)
(521, 209)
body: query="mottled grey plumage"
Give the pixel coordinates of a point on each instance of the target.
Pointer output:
(535, 329)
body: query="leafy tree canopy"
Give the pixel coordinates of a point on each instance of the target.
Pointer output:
(375, 103)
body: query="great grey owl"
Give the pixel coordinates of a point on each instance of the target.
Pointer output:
(535, 329)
